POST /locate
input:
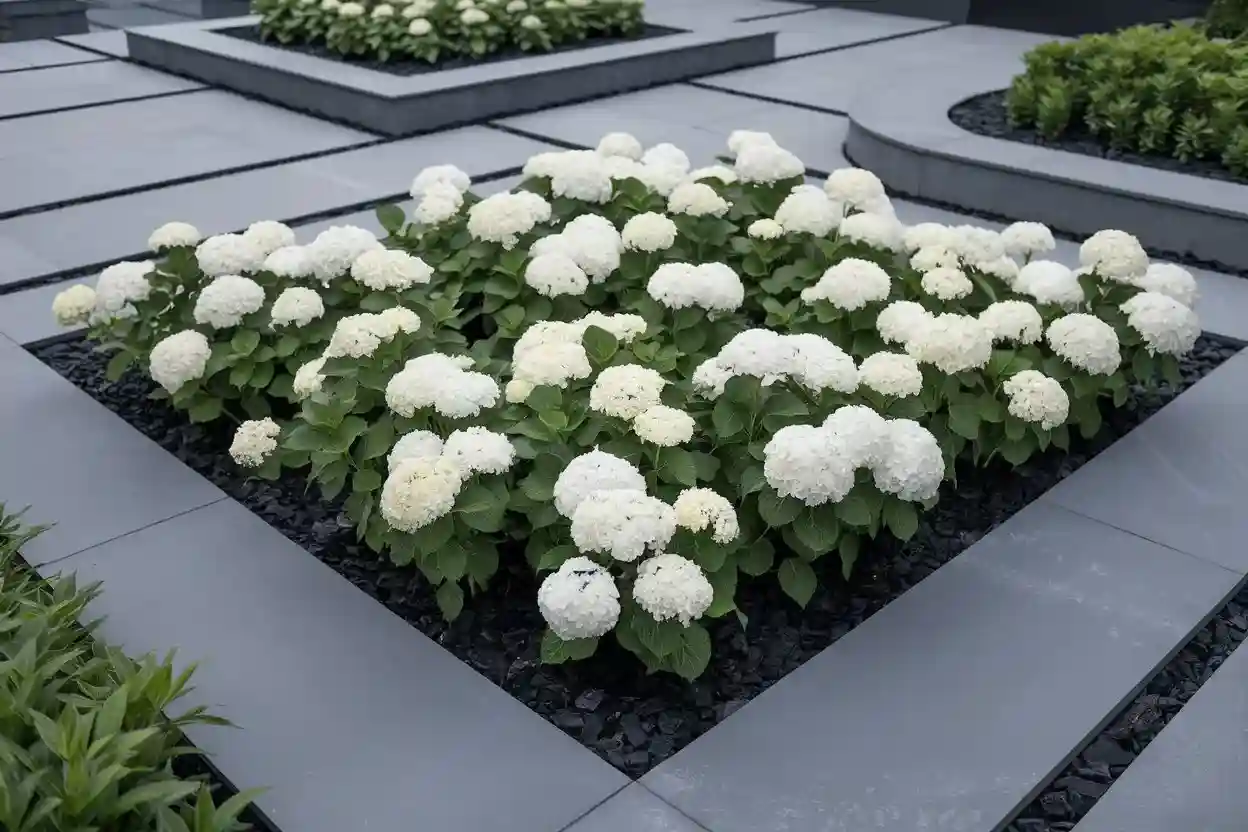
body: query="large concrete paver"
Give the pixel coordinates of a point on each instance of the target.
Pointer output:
(702, 14)
(111, 42)
(634, 809)
(78, 85)
(949, 707)
(353, 719)
(820, 30)
(24, 55)
(85, 153)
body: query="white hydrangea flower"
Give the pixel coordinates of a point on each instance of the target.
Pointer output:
(440, 175)
(765, 229)
(977, 245)
(479, 451)
(761, 353)
(580, 600)
(875, 230)
(1049, 282)
(297, 305)
(911, 466)
(807, 210)
(503, 218)
(228, 299)
(952, 343)
(649, 232)
(854, 188)
(178, 359)
(1172, 280)
(860, 432)
(174, 235)
(582, 175)
(289, 261)
(714, 287)
(664, 426)
(1167, 326)
(118, 288)
(669, 586)
(821, 365)
(419, 26)
(622, 523)
(625, 390)
(396, 319)
(901, 320)
(439, 202)
(441, 382)
(418, 444)
(935, 257)
(947, 284)
(1086, 342)
(383, 12)
(229, 254)
(1015, 321)
(356, 336)
(700, 508)
(474, 17)
(851, 284)
(351, 10)
(254, 441)
(657, 177)
(738, 140)
(623, 326)
(419, 491)
(555, 274)
(336, 248)
(1025, 239)
(767, 164)
(928, 235)
(73, 306)
(1115, 255)
(710, 377)
(891, 374)
(809, 464)
(1034, 397)
(386, 270)
(308, 378)
(620, 144)
(269, 236)
(696, 199)
(592, 243)
(592, 472)
(555, 364)
(719, 172)
(1003, 268)
(665, 155)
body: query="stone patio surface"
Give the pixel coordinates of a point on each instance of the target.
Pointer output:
(946, 711)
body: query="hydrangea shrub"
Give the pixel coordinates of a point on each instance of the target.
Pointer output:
(645, 379)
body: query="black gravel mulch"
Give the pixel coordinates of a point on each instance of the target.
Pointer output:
(632, 720)
(986, 115)
(407, 66)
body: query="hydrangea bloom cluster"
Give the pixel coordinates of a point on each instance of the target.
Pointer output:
(952, 343)
(118, 288)
(254, 441)
(698, 509)
(443, 383)
(1086, 342)
(226, 301)
(1034, 397)
(714, 287)
(850, 285)
(504, 218)
(336, 248)
(178, 359)
(672, 587)
(592, 472)
(297, 305)
(579, 600)
(622, 523)
(811, 360)
(385, 270)
(1166, 325)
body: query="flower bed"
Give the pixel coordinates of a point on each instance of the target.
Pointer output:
(445, 33)
(1170, 98)
(648, 384)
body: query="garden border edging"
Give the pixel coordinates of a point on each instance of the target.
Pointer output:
(906, 137)
(395, 105)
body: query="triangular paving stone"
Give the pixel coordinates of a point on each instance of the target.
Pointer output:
(352, 718)
(634, 809)
(950, 706)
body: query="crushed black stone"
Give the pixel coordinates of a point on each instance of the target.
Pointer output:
(608, 703)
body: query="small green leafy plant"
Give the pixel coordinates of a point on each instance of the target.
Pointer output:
(1227, 18)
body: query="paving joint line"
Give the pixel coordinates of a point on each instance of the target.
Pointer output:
(93, 104)
(703, 85)
(593, 808)
(18, 69)
(844, 46)
(770, 15)
(108, 55)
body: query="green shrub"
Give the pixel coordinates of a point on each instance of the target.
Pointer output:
(1227, 18)
(85, 742)
(1165, 91)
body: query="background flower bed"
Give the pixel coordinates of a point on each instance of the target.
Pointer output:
(1170, 97)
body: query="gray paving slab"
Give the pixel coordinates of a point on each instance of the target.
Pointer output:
(40, 53)
(26, 317)
(699, 14)
(694, 119)
(111, 42)
(351, 717)
(1180, 478)
(57, 157)
(129, 17)
(79, 466)
(949, 707)
(634, 809)
(823, 29)
(117, 228)
(79, 85)
(1191, 776)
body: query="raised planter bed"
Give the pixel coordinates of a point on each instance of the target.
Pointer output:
(395, 104)
(34, 19)
(1058, 17)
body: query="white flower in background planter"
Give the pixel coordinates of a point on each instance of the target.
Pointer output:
(418, 492)
(860, 432)
(1167, 326)
(850, 285)
(386, 270)
(1015, 321)
(439, 202)
(738, 140)
(308, 378)
(620, 144)
(935, 257)
(418, 444)
(297, 305)
(479, 451)
(947, 284)
(1115, 255)
(698, 509)
(591, 472)
(1025, 239)
(383, 12)
(1086, 342)
(809, 464)
(269, 236)
(532, 23)
(1172, 280)
(439, 175)
(669, 586)
(951, 343)
(1003, 268)
(891, 374)
(760, 353)
(714, 287)
(503, 218)
(1049, 282)
(396, 319)
(254, 441)
(623, 524)
(178, 359)
(765, 229)
(582, 175)
(623, 326)
(350, 11)
(901, 321)
(854, 188)
(517, 6)
(1034, 397)
(666, 155)
(579, 600)
(911, 465)
(696, 199)
(442, 383)
(590, 241)
(808, 210)
(474, 17)
(289, 261)
(767, 164)
(73, 306)
(356, 336)
(819, 364)
(625, 390)
(419, 27)
(876, 230)
(336, 248)
(977, 245)
(928, 235)
(664, 426)
(555, 274)
(649, 232)
(717, 172)
(118, 288)
(174, 235)
(228, 299)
